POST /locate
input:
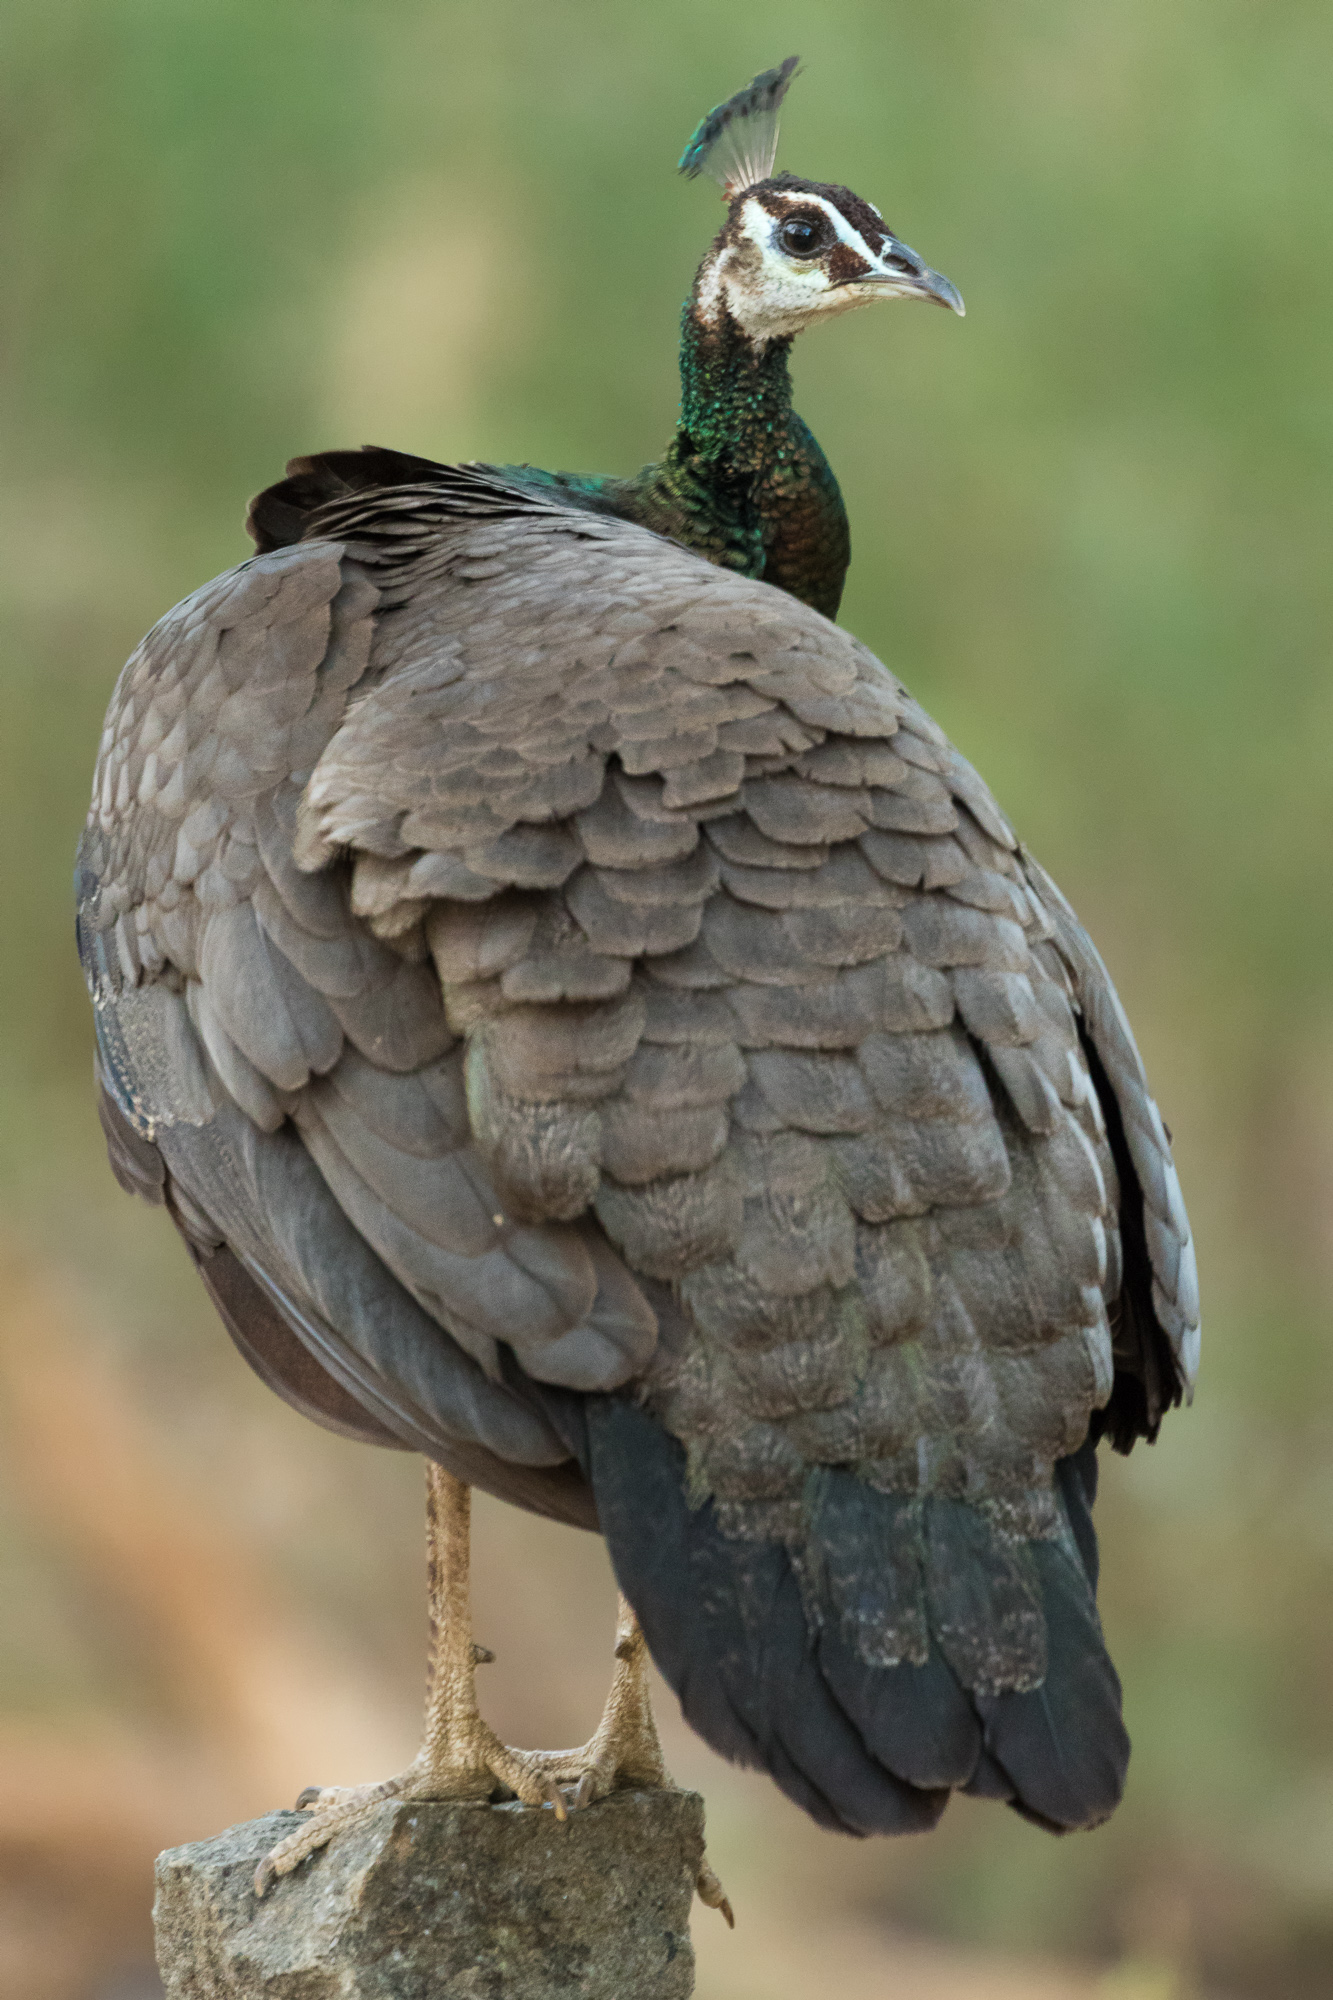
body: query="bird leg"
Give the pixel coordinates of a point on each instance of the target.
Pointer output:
(624, 1752)
(461, 1757)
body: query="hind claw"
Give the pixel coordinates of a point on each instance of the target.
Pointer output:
(710, 1891)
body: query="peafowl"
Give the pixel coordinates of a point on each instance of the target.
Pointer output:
(590, 1028)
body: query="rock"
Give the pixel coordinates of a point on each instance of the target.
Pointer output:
(428, 1900)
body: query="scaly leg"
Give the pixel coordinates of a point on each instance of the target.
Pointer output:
(624, 1752)
(460, 1757)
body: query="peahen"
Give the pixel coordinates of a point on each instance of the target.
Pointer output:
(591, 1029)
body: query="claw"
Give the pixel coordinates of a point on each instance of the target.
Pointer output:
(482, 1656)
(265, 1876)
(711, 1892)
(554, 1797)
(308, 1798)
(586, 1791)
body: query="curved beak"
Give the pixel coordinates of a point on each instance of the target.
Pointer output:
(898, 273)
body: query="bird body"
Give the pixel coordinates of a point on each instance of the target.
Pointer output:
(590, 1027)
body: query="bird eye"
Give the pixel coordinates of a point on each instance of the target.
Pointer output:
(801, 236)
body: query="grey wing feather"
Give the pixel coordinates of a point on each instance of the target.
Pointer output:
(260, 1195)
(1174, 1303)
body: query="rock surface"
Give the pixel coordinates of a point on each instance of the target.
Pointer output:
(431, 1900)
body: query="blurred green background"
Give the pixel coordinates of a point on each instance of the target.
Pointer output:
(1090, 530)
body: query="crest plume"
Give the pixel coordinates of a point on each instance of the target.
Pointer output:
(737, 143)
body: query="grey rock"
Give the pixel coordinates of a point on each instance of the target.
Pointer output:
(428, 1900)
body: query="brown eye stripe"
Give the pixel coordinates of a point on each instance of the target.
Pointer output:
(845, 264)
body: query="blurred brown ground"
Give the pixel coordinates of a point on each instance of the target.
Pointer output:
(1090, 530)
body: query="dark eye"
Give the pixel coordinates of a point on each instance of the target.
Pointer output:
(801, 236)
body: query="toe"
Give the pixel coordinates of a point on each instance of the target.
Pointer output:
(711, 1892)
(534, 1787)
(554, 1797)
(288, 1854)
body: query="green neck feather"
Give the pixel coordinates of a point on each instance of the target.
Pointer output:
(743, 482)
(735, 399)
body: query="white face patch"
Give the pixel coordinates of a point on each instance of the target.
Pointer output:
(770, 293)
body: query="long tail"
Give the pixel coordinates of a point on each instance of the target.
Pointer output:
(759, 1641)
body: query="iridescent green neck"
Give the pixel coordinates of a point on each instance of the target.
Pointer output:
(735, 399)
(743, 482)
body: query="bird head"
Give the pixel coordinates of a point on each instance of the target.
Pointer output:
(791, 251)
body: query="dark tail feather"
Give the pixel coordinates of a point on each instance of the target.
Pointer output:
(725, 1623)
(867, 1748)
(1076, 1478)
(1063, 1745)
(918, 1718)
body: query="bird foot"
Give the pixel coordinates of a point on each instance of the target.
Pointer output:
(484, 1763)
(566, 1780)
(623, 1753)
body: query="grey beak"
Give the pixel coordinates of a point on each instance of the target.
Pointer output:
(934, 285)
(916, 279)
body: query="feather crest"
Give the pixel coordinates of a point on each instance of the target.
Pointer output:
(737, 143)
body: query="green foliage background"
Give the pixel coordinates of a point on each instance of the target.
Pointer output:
(1090, 530)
